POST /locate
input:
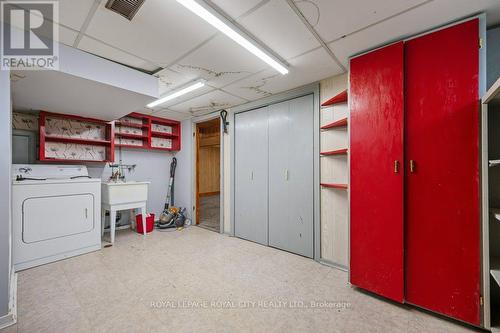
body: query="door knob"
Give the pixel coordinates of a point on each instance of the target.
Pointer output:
(396, 166)
(412, 166)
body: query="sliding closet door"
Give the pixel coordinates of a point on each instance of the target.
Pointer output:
(251, 175)
(376, 180)
(442, 186)
(291, 175)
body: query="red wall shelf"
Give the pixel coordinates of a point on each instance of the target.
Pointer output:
(132, 136)
(68, 138)
(339, 186)
(334, 152)
(338, 123)
(157, 133)
(339, 98)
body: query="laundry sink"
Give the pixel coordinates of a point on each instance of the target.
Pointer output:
(116, 193)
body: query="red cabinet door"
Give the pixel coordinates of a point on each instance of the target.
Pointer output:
(442, 192)
(376, 183)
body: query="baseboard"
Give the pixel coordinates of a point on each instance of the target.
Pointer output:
(11, 318)
(333, 265)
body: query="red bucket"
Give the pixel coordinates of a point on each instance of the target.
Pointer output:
(150, 222)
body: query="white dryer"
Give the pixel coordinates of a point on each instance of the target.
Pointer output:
(55, 213)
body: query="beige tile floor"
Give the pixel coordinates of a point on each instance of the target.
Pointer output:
(134, 286)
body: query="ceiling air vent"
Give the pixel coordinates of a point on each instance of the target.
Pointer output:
(126, 8)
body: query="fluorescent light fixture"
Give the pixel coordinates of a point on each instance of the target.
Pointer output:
(191, 87)
(221, 23)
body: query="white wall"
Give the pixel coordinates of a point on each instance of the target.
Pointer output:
(154, 166)
(493, 56)
(5, 191)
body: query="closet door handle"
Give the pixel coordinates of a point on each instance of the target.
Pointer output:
(396, 166)
(412, 166)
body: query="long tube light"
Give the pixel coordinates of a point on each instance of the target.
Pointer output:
(176, 94)
(232, 32)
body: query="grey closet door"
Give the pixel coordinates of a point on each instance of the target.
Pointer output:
(291, 136)
(251, 175)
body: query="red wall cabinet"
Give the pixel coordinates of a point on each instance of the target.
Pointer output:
(440, 268)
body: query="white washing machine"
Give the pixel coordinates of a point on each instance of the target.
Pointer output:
(55, 213)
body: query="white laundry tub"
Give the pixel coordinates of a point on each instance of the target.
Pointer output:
(124, 192)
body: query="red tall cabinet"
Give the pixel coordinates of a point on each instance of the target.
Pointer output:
(415, 192)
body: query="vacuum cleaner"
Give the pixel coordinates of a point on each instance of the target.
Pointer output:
(171, 217)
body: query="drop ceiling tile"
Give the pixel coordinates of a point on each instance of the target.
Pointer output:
(213, 101)
(278, 27)
(161, 31)
(236, 8)
(169, 114)
(66, 35)
(73, 13)
(423, 18)
(220, 62)
(311, 67)
(170, 80)
(95, 47)
(335, 18)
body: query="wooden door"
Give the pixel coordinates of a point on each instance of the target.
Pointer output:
(376, 180)
(442, 191)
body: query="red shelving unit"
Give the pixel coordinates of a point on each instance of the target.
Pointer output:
(153, 132)
(339, 98)
(133, 131)
(337, 123)
(338, 186)
(334, 152)
(165, 134)
(68, 138)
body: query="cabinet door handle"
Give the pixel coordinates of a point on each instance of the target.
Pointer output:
(86, 213)
(251, 175)
(286, 174)
(396, 166)
(412, 166)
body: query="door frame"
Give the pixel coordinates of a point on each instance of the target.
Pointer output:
(310, 89)
(194, 124)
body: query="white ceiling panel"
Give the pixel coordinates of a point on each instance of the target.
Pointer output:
(161, 31)
(220, 62)
(423, 18)
(95, 47)
(169, 80)
(213, 101)
(170, 114)
(311, 67)
(335, 18)
(73, 13)
(66, 36)
(277, 26)
(236, 8)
